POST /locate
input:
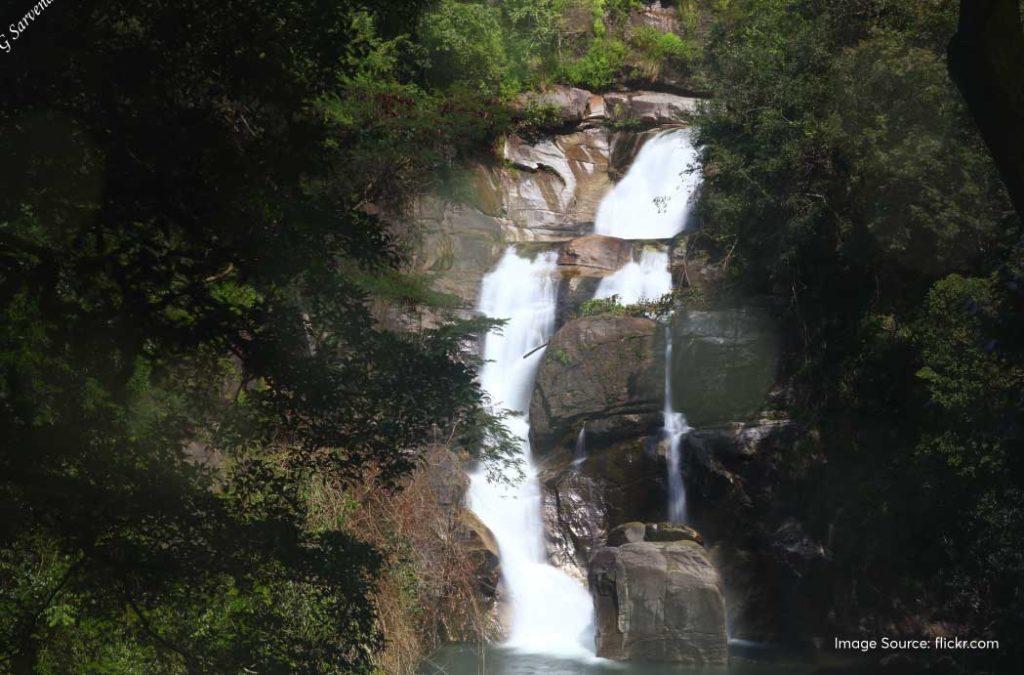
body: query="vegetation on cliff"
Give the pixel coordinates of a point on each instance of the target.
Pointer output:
(844, 174)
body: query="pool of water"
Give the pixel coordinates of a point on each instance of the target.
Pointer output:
(745, 659)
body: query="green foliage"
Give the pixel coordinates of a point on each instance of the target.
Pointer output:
(188, 256)
(654, 51)
(598, 66)
(464, 43)
(657, 308)
(843, 172)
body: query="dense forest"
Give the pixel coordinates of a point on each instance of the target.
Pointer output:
(206, 363)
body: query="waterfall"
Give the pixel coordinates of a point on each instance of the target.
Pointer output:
(675, 430)
(550, 612)
(579, 455)
(649, 278)
(653, 199)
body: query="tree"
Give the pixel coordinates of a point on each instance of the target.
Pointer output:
(186, 234)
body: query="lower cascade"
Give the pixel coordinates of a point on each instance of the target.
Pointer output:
(550, 612)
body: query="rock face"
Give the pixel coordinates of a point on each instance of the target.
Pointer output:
(624, 147)
(482, 550)
(556, 184)
(735, 477)
(658, 601)
(604, 371)
(583, 501)
(649, 107)
(460, 244)
(723, 364)
(655, 15)
(595, 255)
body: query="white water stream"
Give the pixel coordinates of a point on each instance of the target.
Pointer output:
(646, 279)
(653, 199)
(550, 612)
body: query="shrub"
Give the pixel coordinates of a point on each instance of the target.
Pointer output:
(597, 68)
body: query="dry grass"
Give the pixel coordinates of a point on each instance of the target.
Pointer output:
(428, 591)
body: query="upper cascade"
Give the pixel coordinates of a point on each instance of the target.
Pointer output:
(654, 198)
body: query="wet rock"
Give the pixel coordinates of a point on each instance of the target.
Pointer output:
(482, 551)
(555, 185)
(574, 512)
(595, 255)
(671, 532)
(605, 371)
(459, 245)
(735, 477)
(582, 502)
(650, 107)
(623, 149)
(658, 601)
(572, 293)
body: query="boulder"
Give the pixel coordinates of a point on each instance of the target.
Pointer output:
(658, 601)
(723, 364)
(605, 371)
(572, 293)
(595, 255)
(595, 108)
(570, 104)
(627, 533)
(555, 184)
(649, 107)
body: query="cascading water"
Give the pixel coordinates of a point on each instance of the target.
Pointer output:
(550, 612)
(675, 429)
(648, 278)
(579, 455)
(653, 199)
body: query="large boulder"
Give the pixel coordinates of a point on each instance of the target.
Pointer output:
(723, 364)
(569, 103)
(594, 255)
(650, 107)
(658, 601)
(554, 185)
(602, 371)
